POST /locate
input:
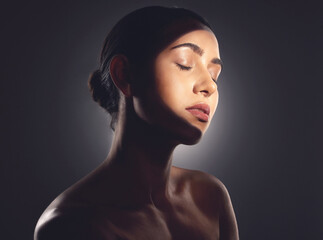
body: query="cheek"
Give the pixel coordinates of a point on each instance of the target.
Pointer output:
(173, 90)
(171, 83)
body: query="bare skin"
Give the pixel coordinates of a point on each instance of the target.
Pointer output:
(136, 193)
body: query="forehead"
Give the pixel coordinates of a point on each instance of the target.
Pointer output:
(201, 35)
(176, 30)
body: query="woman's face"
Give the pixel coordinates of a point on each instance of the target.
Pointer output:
(182, 96)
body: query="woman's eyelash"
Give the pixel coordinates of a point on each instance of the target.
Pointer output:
(182, 67)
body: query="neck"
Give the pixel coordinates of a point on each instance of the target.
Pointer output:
(142, 156)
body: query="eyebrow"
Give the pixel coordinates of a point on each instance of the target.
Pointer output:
(192, 46)
(198, 51)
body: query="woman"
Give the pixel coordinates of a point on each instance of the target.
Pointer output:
(157, 79)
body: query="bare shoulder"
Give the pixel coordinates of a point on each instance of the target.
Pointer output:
(202, 183)
(68, 223)
(212, 198)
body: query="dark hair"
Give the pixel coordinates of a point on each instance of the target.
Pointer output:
(140, 36)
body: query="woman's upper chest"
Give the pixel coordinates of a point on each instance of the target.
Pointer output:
(181, 222)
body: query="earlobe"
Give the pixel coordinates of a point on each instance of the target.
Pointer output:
(120, 74)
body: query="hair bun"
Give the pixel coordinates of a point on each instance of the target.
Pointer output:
(103, 91)
(95, 85)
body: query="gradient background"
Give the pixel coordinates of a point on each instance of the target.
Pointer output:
(265, 142)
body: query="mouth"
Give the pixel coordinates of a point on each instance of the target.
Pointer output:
(201, 111)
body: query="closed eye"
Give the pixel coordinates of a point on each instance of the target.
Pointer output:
(182, 67)
(186, 68)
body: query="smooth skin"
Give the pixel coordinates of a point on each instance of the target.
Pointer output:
(136, 193)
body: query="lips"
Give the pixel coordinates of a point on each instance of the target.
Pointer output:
(201, 111)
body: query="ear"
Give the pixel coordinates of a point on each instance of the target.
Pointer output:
(120, 74)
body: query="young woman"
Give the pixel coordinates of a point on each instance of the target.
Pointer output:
(158, 80)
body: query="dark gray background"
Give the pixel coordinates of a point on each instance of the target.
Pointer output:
(265, 142)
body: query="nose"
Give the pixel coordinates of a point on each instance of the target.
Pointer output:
(205, 84)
